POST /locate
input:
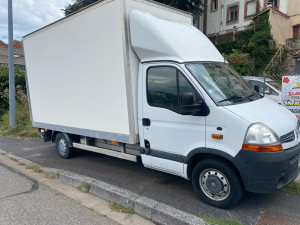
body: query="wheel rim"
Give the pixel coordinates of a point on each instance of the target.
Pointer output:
(214, 184)
(62, 146)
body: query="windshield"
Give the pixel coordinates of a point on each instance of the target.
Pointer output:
(224, 85)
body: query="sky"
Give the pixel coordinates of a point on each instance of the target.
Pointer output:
(30, 15)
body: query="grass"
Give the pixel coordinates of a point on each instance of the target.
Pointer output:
(293, 188)
(58, 173)
(13, 159)
(35, 169)
(119, 208)
(141, 187)
(84, 186)
(49, 175)
(23, 127)
(219, 221)
(22, 164)
(12, 153)
(3, 153)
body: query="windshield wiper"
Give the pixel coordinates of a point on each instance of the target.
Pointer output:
(230, 98)
(253, 94)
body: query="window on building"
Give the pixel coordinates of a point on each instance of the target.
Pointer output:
(250, 8)
(274, 3)
(232, 13)
(214, 5)
(296, 31)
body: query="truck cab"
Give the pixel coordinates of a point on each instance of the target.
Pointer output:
(199, 119)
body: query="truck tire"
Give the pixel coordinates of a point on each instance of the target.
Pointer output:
(217, 183)
(62, 146)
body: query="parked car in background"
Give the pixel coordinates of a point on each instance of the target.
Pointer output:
(273, 88)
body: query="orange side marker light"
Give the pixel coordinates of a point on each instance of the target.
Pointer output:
(217, 136)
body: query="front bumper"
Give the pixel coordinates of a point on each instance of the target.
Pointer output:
(265, 172)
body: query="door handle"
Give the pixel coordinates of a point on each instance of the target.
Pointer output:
(146, 122)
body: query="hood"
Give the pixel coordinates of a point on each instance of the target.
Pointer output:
(268, 112)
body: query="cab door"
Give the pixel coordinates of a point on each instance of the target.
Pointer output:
(168, 135)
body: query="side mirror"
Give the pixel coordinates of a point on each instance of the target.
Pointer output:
(256, 88)
(188, 107)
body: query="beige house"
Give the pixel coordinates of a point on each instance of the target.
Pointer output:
(222, 17)
(294, 14)
(284, 25)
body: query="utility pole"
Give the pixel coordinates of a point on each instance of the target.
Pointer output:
(12, 100)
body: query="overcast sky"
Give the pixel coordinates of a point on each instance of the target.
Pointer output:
(29, 15)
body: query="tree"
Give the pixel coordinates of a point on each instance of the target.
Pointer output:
(193, 6)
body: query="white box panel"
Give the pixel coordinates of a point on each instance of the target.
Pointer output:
(82, 72)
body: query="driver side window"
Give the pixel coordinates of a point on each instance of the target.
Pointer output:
(165, 85)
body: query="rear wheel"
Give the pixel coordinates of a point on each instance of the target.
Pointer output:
(62, 146)
(217, 183)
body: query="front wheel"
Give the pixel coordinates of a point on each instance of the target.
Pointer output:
(62, 146)
(217, 183)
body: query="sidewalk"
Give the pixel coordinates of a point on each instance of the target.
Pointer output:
(23, 200)
(32, 198)
(91, 189)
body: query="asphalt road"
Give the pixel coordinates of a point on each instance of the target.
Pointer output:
(25, 201)
(168, 189)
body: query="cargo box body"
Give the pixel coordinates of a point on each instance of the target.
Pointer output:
(82, 72)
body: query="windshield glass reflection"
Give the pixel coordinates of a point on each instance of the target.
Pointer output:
(222, 83)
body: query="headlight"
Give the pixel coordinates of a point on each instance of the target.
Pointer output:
(261, 138)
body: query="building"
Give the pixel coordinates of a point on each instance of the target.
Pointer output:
(18, 54)
(223, 17)
(2, 44)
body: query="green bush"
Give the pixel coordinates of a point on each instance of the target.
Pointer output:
(23, 127)
(227, 47)
(261, 50)
(239, 61)
(257, 44)
(4, 83)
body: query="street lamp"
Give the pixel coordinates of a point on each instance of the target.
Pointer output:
(12, 101)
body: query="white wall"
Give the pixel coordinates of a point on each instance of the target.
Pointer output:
(217, 21)
(283, 6)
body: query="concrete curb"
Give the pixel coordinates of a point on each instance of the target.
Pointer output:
(17, 158)
(157, 212)
(148, 208)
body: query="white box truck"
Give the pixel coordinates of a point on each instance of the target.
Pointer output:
(134, 79)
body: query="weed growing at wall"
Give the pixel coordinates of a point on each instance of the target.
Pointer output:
(256, 44)
(239, 61)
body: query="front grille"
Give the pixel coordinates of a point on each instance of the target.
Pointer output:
(288, 137)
